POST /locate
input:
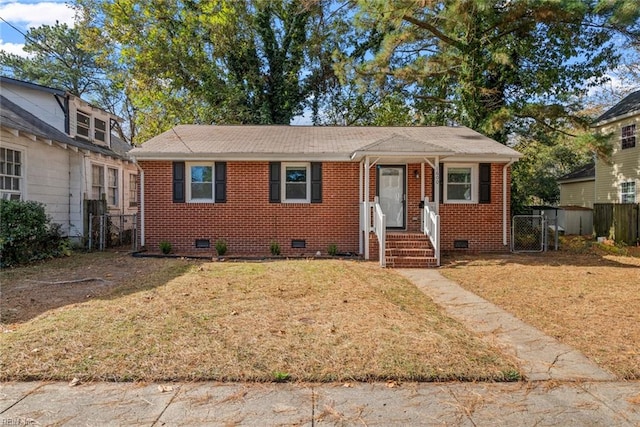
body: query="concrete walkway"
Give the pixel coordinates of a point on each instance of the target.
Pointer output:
(564, 389)
(542, 357)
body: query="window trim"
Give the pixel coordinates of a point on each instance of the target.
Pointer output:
(10, 193)
(283, 180)
(473, 170)
(188, 167)
(630, 138)
(629, 192)
(109, 187)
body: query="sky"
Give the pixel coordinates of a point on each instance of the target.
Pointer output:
(25, 14)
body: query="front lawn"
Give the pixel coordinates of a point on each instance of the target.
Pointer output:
(290, 320)
(582, 295)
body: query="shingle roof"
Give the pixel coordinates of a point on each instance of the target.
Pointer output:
(15, 117)
(629, 104)
(585, 173)
(193, 141)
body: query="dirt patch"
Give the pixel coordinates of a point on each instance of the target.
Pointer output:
(26, 292)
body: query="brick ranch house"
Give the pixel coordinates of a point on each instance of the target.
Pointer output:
(407, 192)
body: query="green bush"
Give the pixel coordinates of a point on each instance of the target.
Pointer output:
(27, 234)
(165, 247)
(274, 247)
(221, 247)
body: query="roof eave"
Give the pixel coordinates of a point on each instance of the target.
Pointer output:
(615, 119)
(230, 157)
(360, 154)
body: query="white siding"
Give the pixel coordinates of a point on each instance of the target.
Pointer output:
(45, 175)
(39, 103)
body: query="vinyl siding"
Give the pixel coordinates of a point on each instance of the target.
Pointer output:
(577, 194)
(624, 167)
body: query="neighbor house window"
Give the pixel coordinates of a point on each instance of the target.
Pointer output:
(200, 188)
(133, 190)
(460, 183)
(112, 189)
(97, 182)
(83, 124)
(10, 174)
(296, 182)
(628, 136)
(628, 192)
(100, 129)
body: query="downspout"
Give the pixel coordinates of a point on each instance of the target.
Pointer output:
(505, 222)
(141, 209)
(361, 201)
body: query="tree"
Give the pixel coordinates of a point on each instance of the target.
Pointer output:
(216, 61)
(58, 57)
(497, 67)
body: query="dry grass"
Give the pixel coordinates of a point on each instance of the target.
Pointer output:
(294, 320)
(583, 296)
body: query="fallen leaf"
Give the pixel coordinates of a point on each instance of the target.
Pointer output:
(165, 388)
(74, 382)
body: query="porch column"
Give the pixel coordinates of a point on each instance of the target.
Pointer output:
(367, 209)
(361, 201)
(436, 184)
(422, 181)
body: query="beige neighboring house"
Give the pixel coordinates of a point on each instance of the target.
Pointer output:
(578, 188)
(619, 181)
(57, 149)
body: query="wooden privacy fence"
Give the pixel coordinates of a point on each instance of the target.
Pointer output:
(620, 222)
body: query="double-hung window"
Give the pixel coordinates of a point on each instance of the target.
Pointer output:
(628, 192)
(296, 182)
(133, 190)
(200, 187)
(100, 130)
(628, 136)
(83, 124)
(112, 189)
(460, 183)
(10, 174)
(97, 182)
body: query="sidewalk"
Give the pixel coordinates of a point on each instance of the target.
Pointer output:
(563, 389)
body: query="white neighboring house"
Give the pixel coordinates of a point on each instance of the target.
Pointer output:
(57, 149)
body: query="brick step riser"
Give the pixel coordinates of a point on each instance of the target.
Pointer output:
(417, 252)
(409, 244)
(411, 263)
(401, 237)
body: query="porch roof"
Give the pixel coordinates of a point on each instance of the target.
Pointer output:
(328, 143)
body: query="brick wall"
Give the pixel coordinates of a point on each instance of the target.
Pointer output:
(249, 223)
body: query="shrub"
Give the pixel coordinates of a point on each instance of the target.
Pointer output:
(332, 249)
(27, 234)
(274, 248)
(221, 247)
(165, 247)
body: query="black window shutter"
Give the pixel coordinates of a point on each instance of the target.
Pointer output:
(441, 185)
(221, 182)
(178, 182)
(316, 182)
(485, 183)
(274, 182)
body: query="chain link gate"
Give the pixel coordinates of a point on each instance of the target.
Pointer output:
(107, 231)
(529, 233)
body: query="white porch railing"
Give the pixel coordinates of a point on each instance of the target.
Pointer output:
(380, 228)
(431, 224)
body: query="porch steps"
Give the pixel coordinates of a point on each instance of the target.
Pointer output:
(409, 250)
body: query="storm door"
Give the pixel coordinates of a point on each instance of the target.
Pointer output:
(391, 193)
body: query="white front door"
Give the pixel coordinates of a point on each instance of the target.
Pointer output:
(391, 189)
